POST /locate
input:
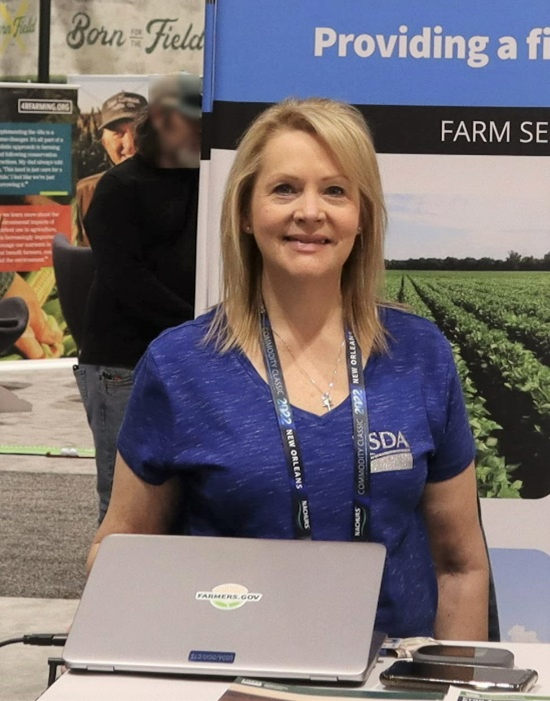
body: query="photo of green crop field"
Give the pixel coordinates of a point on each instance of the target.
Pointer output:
(499, 326)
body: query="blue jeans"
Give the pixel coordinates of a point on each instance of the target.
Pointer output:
(105, 392)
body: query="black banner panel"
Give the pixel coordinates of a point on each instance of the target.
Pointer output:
(474, 131)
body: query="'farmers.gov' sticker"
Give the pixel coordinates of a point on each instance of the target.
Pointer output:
(228, 596)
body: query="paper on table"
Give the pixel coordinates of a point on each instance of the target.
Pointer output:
(404, 647)
(457, 694)
(254, 690)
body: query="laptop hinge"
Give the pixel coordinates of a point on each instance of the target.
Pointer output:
(100, 668)
(323, 678)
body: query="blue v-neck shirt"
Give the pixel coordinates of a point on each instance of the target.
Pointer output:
(208, 417)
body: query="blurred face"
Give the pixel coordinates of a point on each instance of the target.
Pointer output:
(179, 136)
(118, 140)
(304, 211)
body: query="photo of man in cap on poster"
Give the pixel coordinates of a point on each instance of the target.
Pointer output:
(116, 129)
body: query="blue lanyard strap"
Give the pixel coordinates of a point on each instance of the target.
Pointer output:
(301, 512)
(358, 398)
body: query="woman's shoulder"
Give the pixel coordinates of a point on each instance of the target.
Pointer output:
(182, 349)
(184, 342)
(413, 335)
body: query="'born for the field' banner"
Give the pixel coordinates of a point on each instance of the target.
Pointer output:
(104, 36)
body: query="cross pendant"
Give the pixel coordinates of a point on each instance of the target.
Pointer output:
(327, 401)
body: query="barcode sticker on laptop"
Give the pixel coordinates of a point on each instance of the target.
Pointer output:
(211, 656)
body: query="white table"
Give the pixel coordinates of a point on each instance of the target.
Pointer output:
(112, 687)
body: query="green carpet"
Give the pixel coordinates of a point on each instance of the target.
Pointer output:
(47, 451)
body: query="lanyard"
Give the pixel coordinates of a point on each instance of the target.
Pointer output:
(300, 502)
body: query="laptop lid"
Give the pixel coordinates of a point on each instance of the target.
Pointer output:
(229, 606)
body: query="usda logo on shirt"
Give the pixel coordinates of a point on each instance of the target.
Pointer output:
(228, 596)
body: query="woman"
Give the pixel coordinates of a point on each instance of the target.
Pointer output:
(141, 224)
(302, 239)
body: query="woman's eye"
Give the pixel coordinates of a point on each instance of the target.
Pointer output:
(284, 189)
(335, 191)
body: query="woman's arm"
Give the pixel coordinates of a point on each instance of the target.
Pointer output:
(460, 557)
(137, 507)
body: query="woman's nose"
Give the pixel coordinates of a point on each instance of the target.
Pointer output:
(309, 207)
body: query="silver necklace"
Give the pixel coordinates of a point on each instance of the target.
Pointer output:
(326, 397)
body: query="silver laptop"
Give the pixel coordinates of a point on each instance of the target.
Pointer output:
(229, 606)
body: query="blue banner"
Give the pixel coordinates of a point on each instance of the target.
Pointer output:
(378, 52)
(457, 97)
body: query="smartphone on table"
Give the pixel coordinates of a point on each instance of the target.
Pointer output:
(405, 674)
(464, 654)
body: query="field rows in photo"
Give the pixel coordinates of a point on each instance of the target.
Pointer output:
(491, 309)
(502, 357)
(494, 475)
(522, 310)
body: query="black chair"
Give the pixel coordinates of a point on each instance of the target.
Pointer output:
(74, 272)
(494, 622)
(14, 317)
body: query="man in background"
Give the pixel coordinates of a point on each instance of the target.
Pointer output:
(142, 225)
(118, 116)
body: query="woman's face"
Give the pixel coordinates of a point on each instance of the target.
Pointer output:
(304, 211)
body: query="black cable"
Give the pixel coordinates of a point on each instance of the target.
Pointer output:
(54, 663)
(11, 641)
(42, 639)
(46, 639)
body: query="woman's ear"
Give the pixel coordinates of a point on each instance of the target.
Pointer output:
(247, 227)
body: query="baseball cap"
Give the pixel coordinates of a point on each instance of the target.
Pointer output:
(123, 105)
(182, 91)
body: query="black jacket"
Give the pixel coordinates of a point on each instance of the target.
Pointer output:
(141, 224)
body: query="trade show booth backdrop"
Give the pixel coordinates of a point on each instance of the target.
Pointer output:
(36, 193)
(99, 45)
(55, 143)
(458, 99)
(104, 36)
(459, 109)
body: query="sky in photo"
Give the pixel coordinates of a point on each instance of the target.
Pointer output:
(463, 206)
(523, 595)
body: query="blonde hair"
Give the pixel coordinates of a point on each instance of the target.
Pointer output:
(342, 129)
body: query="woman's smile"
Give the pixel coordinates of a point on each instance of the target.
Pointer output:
(307, 243)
